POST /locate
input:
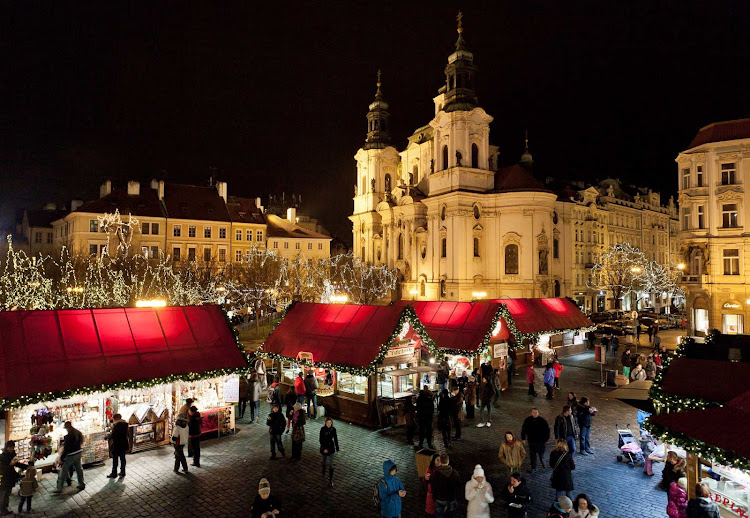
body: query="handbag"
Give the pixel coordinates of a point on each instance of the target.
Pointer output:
(298, 434)
(559, 460)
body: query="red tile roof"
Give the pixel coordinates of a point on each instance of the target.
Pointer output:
(44, 217)
(721, 131)
(145, 204)
(279, 227)
(193, 202)
(244, 210)
(517, 178)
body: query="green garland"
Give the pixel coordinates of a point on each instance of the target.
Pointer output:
(42, 397)
(408, 315)
(696, 447)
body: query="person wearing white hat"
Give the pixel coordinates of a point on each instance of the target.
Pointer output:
(479, 494)
(265, 505)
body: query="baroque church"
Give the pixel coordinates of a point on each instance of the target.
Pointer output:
(458, 226)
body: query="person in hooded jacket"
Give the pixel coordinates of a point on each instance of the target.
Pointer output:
(391, 491)
(298, 430)
(329, 445)
(479, 494)
(120, 445)
(677, 499)
(180, 437)
(702, 506)
(517, 496)
(446, 488)
(425, 411)
(583, 508)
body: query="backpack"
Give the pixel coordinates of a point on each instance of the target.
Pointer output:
(376, 492)
(271, 396)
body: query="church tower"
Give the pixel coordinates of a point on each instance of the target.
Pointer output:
(460, 74)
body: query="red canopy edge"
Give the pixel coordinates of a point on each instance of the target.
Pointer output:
(49, 355)
(532, 317)
(346, 337)
(711, 380)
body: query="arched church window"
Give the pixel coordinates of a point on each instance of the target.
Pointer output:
(445, 157)
(477, 214)
(415, 171)
(422, 288)
(387, 183)
(474, 156)
(511, 259)
(442, 213)
(557, 288)
(556, 248)
(400, 246)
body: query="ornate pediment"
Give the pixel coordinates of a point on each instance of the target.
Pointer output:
(511, 238)
(730, 195)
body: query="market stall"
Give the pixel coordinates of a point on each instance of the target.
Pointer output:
(84, 366)
(373, 354)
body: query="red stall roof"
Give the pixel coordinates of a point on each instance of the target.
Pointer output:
(533, 316)
(457, 325)
(342, 334)
(50, 354)
(713, 380)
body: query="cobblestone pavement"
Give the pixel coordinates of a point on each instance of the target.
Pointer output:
(227, 482)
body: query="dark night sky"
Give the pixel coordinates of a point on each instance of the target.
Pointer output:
(275, 96)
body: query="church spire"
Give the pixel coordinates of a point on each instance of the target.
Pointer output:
(378, 136)
(526, 159)
(460, 74)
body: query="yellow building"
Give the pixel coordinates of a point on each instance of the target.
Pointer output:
(288, 239)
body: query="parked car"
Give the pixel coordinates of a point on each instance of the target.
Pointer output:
(611, 327)
(598, 318)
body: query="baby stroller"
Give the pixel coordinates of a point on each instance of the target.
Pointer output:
(629, 447)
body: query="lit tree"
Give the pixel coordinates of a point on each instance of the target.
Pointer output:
(256, 280)
(362, 283)
(657, 278)
(619, 271)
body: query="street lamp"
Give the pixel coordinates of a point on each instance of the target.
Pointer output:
(681, 266)
(636, 269)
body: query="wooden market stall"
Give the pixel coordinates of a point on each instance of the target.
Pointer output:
(374, 355)
(86, 365)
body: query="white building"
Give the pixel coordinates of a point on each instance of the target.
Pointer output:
(712, 174)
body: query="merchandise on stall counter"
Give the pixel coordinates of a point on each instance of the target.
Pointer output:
(730, 487)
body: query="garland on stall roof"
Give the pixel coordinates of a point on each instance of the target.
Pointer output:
(696, 447)
(408, 315)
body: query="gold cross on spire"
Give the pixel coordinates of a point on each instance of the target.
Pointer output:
(527, 140)
(460, 19)
(378, 77)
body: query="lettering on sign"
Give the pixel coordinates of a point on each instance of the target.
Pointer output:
(728, 503)
(399, 351)
(732, 305)
(500, 350)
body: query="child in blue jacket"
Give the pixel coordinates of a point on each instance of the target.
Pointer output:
(391, 491)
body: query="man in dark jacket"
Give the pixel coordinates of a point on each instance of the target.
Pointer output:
(8, 475)
(329, 445)
(195, 423)
(276, 424)
(535, 431)
(446, 488)
(425, 411)
(565, 428)
(585, 413)
(311, 394)
(457, 405)
(627, 362)
(517, 496)
(120, 444)
(71, 457)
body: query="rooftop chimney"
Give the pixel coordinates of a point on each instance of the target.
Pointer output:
(160, 189)
(154, 183)
(75, 204)
(258, 204)
(291, 215)
(134, 188)
(221, 187)
(105, 188)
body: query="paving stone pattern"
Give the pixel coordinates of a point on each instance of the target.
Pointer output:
(227, 482)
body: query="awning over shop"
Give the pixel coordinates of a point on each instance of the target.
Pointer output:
(550, 315)
(45, 355)
(706, 379)
(460, 326)
(342, 335)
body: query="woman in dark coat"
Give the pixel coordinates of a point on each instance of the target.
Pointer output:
(444, 417)
(471, 397)
(410, 415)
(562, 464)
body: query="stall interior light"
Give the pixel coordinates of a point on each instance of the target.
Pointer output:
(339, 299)
(155, 303)
(432, 361)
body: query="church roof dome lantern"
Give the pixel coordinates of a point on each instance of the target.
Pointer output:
(460, 75)
(378, 134)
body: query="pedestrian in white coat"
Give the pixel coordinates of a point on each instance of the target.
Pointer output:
(479, 494)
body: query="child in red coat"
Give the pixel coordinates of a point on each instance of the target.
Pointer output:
(530, 378)
(558, 369)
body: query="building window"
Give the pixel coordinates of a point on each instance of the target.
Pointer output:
(222, 255)
(686, 218)
(699, 176)
(387, 183)
(93, 225)
(155, 229)
(258, 236)
(238, 235)
(474, 156)
(297, 245)
(729, 215)
(309, 246)
(443, 213)
(728, 173)
(37, 237)
(207, 255)
(176, 230)
(557, 288)
(511, 260)
(92, 249)
(477, 214)
(685, 178)
(276, 244)
(443, 247)
(206, 232)
(556, 248)
(286, 245)
(320, 246)
(445, 157)
(191, 254)
(154, 252)
(701, 217)
(176, 251)
(400, 253)
(731, 261)
(249, 236)
(443, 290)
(145, 227)
(49, 238)
(192, 232)
(476, 247)
(222, 232)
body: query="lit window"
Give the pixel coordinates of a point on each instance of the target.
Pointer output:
(177, 230)
(731, 261)
(699, 176)
(686, 218)
(729, 215)
(207, 232)
(93, 225)
(701, 217)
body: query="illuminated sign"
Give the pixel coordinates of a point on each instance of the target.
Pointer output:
(500, 350)
(399, 351)
(732, 305)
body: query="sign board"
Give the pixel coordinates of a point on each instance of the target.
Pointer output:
(500, 350)
(732, 305)
(600, 353)
(399, 351)
(232, 389)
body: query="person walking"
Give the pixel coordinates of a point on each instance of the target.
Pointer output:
(471, 397)
(8, 476)
(535, 431)
(244, 389)
(410, 416)
(195, 428)
(180, 437)
(260, 370)
(311, 394)
(27, 488)
(530, 379)
(276, 422)
(511, 452)
(442, 375)
(488, 392)
(549, 380)
(677, 499)
(425, 411)
(637, 325)
(650, 332)
(585, 413)
(299, 388)
(120, 445)
(565, 428)
(615, 343)
(627, 362)
(391, 491)
(478, 492)
(562, 469)
(444, 418)
(583, 508)
(265, 504)
(71, 457)
(558, 369)
(517, 496)
(657, 340)
(446, 488)
(429, 504)
(329, 446)
(511, 367)
(253, 394)
(298, 431)
(457, 406)
(702, 506)
(572, 402)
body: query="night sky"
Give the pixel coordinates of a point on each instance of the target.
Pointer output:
(274, 95)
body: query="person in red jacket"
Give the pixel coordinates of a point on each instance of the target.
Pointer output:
(558, 369)
(299, 388)
(530, 378)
